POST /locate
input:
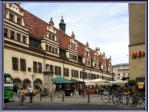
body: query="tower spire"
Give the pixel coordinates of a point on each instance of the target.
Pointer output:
(87, 44)
(62, 25)
(73, 35)
(51, 22)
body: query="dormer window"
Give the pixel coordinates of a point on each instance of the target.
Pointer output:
(96, 58)
(12, 35)
(49, 35)
(19, 21)
(49, 48)
(88, 62)
(24, 39)
(52, 50)
(18, 37)
(56, 51)
(87, 54)
(5, 32)
(52, 38)
(46, 47)
(72, 46)
(11, 17)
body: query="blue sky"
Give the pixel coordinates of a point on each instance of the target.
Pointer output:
(103, 25)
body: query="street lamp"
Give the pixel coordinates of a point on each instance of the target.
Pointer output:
(32, 79)
(83, 76)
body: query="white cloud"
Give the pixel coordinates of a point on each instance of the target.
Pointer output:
(103, 25)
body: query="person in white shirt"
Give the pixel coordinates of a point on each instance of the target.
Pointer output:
(30, 91)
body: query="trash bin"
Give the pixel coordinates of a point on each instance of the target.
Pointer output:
(67, 92)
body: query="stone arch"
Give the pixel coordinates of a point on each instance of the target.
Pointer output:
(26, 83)
(17, 83)
(38, 83)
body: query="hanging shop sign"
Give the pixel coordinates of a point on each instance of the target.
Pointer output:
(140, 85)
(138, 54)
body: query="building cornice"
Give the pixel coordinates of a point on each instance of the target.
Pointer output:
(40, 53)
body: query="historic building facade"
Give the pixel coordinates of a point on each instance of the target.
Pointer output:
(32, 46)
(121, 71)
(137, 40)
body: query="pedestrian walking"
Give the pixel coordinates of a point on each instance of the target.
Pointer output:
(15, 90)
(76, 93)
(21, 95)
(30, 91)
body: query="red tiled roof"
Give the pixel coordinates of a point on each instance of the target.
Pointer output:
(81, 50)
(64, 40)
(37, 27)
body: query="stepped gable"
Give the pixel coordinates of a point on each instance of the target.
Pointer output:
(108, 62)
(37, 27)
(92, 52)
(100, 57)
(64, 39)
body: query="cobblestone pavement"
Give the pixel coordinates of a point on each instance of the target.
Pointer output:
(94, 100)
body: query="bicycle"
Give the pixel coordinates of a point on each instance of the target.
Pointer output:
(138, 99)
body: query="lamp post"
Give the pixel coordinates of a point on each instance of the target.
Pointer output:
(32, 79)
(83, 76)
(51, 72)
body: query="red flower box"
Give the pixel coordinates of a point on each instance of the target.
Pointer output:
(134, 55)
(140, 53)
(143, 53)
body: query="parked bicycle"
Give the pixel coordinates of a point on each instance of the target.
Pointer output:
(138, 98)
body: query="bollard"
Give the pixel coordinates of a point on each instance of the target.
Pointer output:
(51, 97)
(63, 97)
(88, 98)
(40, 97)
(83, 93)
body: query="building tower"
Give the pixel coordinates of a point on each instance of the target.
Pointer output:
(62, 25)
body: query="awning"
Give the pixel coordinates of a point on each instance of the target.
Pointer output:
(61, 80)
(76, 81)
